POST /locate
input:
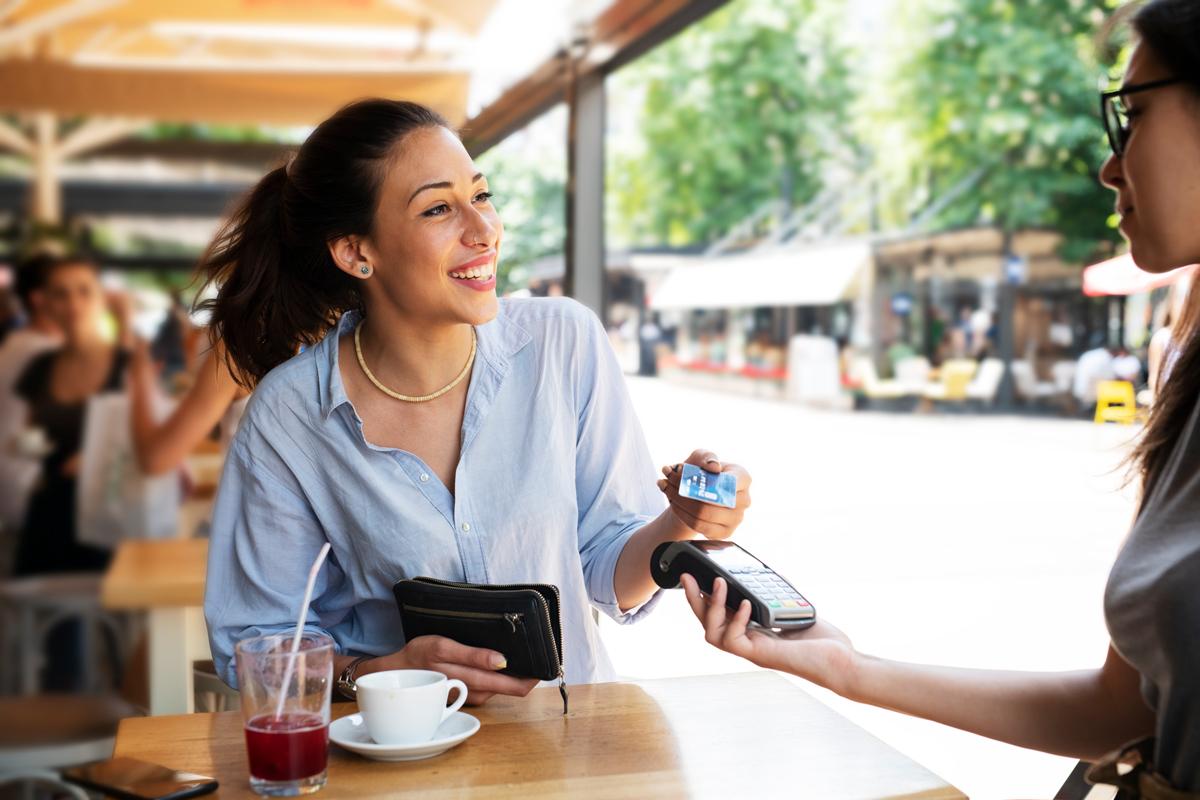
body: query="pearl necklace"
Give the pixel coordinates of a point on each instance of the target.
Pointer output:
(406, 398)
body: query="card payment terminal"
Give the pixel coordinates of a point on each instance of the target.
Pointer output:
(774, 602)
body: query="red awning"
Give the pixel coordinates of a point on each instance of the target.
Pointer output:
(1120, 276)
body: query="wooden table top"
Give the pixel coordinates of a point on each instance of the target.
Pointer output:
(156, 574)
(744, 735)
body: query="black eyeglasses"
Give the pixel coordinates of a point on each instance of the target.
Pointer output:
(1116, 115)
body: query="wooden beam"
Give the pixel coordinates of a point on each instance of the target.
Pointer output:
(209, 62)
(430, 11)
(624, 31)
(47, 193)
(470, 15)
(253, 155)
(95, 133)
(8, 7)
(55, 18)
(12, 138)
(585, 273)
(215, 97)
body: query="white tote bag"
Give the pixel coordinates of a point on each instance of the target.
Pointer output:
(115, 499)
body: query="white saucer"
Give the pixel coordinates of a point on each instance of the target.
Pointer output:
(351, 733)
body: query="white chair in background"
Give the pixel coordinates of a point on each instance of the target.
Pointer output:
(1027, 384)
(912, 374)
(1063, 375)
(984, 387)
(863, 370)
(31, 608)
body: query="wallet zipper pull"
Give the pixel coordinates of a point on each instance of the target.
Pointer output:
(562, 688)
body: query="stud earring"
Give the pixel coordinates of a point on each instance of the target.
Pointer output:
(365, 269)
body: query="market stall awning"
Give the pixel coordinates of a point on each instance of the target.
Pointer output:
(1120, 276)
(794, 276)
(284, 62)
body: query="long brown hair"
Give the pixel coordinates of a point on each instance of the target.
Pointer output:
(1171, 30)
(278, 286)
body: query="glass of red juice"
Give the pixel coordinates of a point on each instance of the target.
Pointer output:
(287, 742)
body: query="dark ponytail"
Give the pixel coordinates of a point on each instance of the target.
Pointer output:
(1171, 30)
(278, 288)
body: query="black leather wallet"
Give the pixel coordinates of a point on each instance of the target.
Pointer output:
(520, 621)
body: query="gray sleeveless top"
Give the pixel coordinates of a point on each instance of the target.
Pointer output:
(1152, 607)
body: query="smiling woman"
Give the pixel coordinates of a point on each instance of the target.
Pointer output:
(428, 428)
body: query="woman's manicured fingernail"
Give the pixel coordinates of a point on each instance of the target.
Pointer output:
(500, 662)
(712, 461)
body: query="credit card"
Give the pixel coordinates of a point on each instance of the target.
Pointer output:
(718, 488)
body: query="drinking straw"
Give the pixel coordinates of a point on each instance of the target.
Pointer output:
(291, 664)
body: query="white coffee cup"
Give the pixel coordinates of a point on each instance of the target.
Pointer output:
(406, 706)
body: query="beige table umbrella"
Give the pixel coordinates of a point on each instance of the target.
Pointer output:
(122, 63)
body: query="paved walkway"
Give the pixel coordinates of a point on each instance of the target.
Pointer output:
(980, 541)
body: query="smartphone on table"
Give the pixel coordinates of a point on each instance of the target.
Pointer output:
(131, 779)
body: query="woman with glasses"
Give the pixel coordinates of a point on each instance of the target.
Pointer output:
(1145, 697)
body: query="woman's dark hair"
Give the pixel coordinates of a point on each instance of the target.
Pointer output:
(48, 265)
(278, 287)
(1171, 30)
(31, 277)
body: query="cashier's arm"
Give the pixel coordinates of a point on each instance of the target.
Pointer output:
(1083, 714)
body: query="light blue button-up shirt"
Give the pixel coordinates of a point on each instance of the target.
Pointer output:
(553, 478)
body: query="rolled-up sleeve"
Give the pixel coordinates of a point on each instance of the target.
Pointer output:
(265, 537)
(614, 474)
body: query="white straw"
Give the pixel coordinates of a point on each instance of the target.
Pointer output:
(291, 664)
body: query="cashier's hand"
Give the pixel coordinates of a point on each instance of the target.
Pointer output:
(714, 522)
(821, 654)
(474, 666)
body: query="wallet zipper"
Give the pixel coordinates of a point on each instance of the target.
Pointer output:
(542, 600)
(562, 681)
(511, 618)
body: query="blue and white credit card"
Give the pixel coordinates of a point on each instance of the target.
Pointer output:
(718, 488)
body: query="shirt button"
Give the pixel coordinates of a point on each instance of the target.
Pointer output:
(466, 527)
(424, 477)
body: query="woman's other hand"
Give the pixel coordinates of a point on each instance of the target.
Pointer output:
(121, 306)
(714, 522)
(475, 666)
(821, 654)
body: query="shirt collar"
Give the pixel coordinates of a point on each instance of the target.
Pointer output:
(498, 341)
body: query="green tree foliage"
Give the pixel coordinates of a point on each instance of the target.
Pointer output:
(528, 183)
(747, 106)
(222, 133)
(1002, 88)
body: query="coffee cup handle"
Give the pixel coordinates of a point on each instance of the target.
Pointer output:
(454, 683)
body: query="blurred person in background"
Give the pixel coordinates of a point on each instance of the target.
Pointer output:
(40, 333)
(169, 346)
(214, 399)
(56, 386)
(1142, 705)
(1094, 366)
(1126, 366)
(10, 309)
